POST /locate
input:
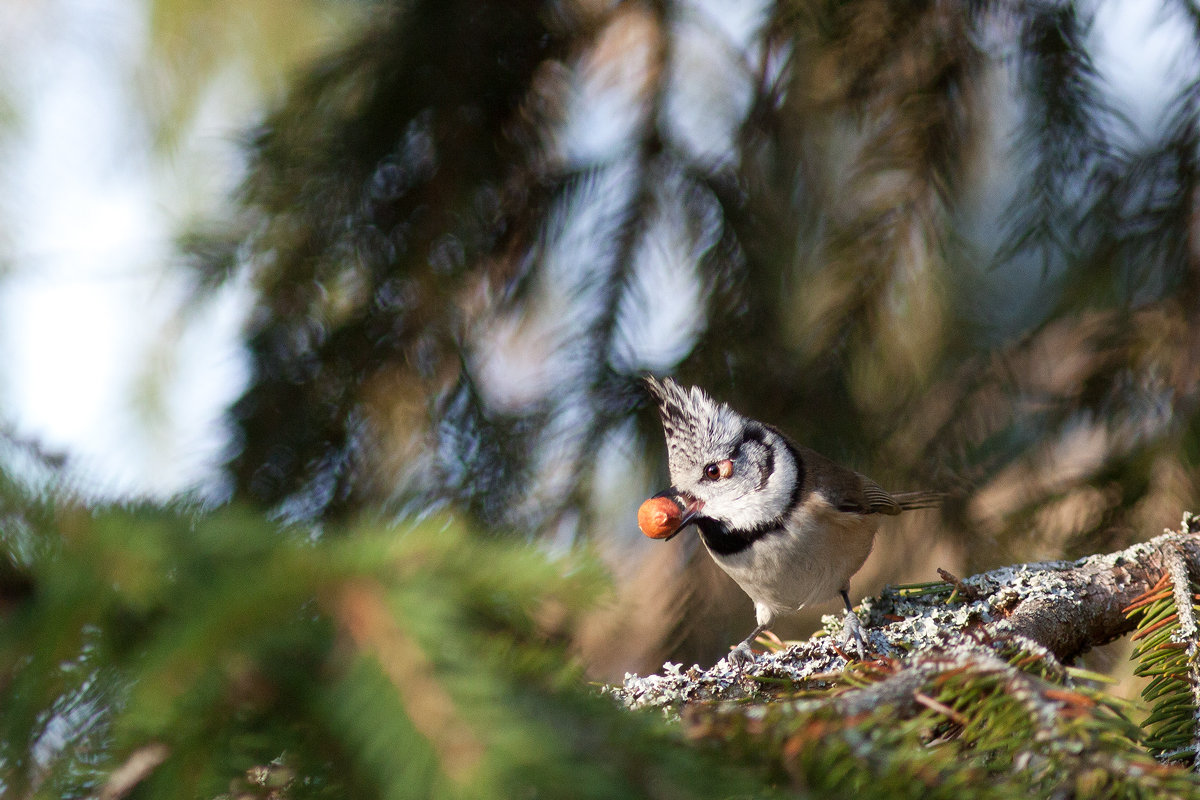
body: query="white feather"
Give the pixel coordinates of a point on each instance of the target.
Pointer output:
(809, 561)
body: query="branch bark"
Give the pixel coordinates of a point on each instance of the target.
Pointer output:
(1053, 611)
(1080, 605)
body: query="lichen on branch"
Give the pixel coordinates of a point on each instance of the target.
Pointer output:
(981, 665)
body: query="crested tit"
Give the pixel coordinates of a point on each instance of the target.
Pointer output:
(787, 524)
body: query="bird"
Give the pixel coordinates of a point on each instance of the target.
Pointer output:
(789, 525)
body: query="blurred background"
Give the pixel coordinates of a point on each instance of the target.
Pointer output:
(337, 256)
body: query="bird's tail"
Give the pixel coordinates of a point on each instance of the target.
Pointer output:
(909, 501)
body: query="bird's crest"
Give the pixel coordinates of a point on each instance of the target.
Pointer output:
(690, 418)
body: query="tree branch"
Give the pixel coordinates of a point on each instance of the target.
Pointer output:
(1048, 612)
(1081, 605)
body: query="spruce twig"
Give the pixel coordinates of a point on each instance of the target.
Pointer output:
(1183, 594)
(1166, 652)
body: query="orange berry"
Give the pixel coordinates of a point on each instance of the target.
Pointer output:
(659, 517)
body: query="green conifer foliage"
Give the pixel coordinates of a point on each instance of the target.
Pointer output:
(193, 655)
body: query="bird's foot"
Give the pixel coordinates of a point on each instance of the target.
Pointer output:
(854, 637)
(741, 656)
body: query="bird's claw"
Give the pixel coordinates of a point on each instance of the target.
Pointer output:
(854, 637)
(741, 656)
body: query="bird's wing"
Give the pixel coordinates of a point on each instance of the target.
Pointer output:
(845, 489)
(878, 501)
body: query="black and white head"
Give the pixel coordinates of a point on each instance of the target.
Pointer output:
(724, 466)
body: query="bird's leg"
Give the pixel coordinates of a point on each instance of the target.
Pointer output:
(854, 637)
(742, 656)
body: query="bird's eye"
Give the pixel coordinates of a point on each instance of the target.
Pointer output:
(720, 469)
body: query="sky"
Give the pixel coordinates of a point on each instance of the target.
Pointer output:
(108, 356)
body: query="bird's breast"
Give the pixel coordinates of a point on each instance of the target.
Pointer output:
(806, 559)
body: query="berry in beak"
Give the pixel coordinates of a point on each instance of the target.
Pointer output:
(667, 513)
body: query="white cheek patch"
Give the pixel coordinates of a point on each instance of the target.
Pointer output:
(758, 506)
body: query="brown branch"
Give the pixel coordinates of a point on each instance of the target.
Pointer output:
(967, 592)
(1052, 612)
(136, 769)
(363, 612)
(1077, 606)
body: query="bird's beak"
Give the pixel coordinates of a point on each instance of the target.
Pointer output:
(689, 506)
